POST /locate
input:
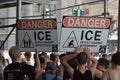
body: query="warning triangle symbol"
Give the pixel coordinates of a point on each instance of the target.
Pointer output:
(26, 42)
(71, 41)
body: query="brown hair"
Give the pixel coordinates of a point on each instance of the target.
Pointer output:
(116, 58)
(82, 58)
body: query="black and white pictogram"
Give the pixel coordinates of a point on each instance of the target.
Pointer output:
(54, 48)
(71, 41)
(26, 42)
(102, 49)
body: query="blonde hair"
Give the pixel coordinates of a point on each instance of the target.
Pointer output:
(14, 52)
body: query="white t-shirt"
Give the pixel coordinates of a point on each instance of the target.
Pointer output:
(30, 62)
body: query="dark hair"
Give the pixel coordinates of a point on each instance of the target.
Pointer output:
(82, 58)
(42, 59)
(103, 62)
(116, 58)
(28, 54)
(53, 56)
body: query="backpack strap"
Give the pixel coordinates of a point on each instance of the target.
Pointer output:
(21, 70)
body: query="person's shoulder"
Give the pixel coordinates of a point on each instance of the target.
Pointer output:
(114, 71)
(49, 76)
(11, 65)
(24, 64)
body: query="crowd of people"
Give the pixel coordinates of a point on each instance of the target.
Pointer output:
(78, 65)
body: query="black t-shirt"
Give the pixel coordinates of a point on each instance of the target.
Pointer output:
(79, 76)
(96, 78)
(16, 71)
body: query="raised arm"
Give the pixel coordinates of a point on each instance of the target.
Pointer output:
(38, 69)
(93, 66)
(66, 58)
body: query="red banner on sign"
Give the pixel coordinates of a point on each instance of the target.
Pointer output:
(86, 22)
(36, 24)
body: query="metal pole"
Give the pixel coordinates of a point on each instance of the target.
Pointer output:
(118, 27)
(6, 26)
(93, 2)
(43, 11)
(75, 2)
(7, 36)
(105, 8)
(18, 17)
(27, 16)
(19, 4)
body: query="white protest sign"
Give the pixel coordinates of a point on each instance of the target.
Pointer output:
(80, 31)
(40, 34)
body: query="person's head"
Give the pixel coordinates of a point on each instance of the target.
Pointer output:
(116, 59)
(54, 57)
(46, 56)
(82, 58)
(42, 61)
(14, 53)
(103, 64)
(51, 67)
(28, 55)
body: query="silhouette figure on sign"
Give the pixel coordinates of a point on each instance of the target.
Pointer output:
(71, 43)
(27, 43)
